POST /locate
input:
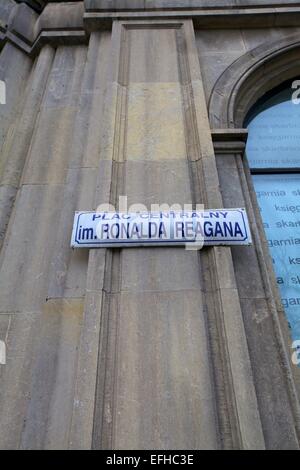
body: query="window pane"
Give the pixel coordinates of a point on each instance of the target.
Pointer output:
(279, 201)
(274, 132)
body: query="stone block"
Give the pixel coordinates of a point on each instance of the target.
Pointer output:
(171, 387)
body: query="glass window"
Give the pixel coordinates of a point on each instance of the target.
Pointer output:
(273, 153)
(274, 131)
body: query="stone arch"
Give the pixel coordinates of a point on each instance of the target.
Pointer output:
(250, 77)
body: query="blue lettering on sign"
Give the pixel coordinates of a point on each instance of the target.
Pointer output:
(223, 226)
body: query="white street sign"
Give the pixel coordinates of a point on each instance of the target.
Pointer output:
(116, 229)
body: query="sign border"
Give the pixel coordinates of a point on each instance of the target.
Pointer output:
(128, 243)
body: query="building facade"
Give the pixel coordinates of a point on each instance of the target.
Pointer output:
(143, 348)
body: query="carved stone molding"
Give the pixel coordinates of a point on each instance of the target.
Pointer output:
(250, 77)
(31, 24)
(58, 23)
(229, 141)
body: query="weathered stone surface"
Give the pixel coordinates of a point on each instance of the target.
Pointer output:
(22, 23)
(14, 71)
(60, 16)
(146, 347)
(37, 207)
(152, 326)
(17, 143)
(6, 9)
(145, 178)
(258, 314)
(39, 376)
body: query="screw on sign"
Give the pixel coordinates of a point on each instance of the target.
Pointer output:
(2, 353)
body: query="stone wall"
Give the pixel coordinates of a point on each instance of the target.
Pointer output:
(147, 347)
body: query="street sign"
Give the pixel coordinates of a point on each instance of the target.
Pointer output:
(116, 229)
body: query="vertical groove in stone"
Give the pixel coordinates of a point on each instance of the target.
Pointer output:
(108, 358)
(104, 414)
(225, 409)
(93, 156)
